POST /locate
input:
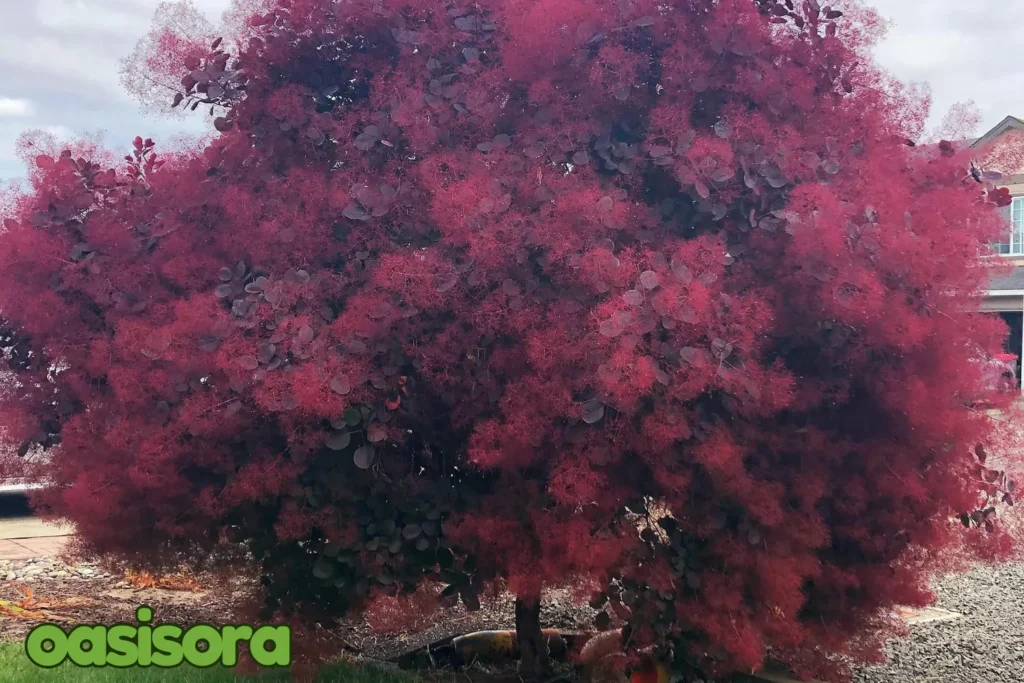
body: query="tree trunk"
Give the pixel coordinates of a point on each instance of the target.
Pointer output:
(534, 662)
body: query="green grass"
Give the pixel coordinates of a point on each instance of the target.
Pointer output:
(15, 667)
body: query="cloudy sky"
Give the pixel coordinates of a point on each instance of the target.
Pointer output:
(59, 63)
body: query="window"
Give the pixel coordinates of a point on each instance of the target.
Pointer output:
(1015, 215)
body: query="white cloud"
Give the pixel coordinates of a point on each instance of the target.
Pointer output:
(13, 107)
(59, 62)
(117, 18)
(964, 50)
(60, 132)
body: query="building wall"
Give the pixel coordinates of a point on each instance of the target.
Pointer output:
(1002, 303)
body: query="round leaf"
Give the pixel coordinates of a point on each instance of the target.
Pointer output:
(338, 441)
(593, 411)
(363, 457)
(323, 569)
(355, 212)
(376, 433)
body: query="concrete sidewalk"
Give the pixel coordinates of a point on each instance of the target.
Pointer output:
(22, 538)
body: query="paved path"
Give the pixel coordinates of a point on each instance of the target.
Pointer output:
(22, 538)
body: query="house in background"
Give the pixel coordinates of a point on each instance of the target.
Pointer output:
(1006, 291)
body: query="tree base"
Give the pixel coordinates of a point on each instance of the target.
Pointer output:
(534, 658)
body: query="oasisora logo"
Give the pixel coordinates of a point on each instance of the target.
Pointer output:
(161, 645)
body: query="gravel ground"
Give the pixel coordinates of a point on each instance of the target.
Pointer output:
(44, 569)
(985, 645)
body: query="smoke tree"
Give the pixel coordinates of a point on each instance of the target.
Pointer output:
(654, 300)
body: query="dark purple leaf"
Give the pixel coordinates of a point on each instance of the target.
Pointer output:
(209, 344)
(609, 328)
(691, 355)
(681, 271)
(592, 411)
(338, 441)
(363, 457)
(723, 175)
(376, 433)
(256, 286)
(686, 141)
(340, 386)
(355, 212)
(266, 352)
(446, 282)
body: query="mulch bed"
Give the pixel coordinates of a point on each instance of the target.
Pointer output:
(108, 599)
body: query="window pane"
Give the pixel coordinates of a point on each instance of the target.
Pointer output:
(1014, 216)
(1016, 246)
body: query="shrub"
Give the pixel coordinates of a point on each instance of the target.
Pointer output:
(658, 301)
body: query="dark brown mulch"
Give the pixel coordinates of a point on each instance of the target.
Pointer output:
(108, 600)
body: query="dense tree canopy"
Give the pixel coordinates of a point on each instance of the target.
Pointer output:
(656, 300)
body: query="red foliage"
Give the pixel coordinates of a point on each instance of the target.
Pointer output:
(462, 294)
